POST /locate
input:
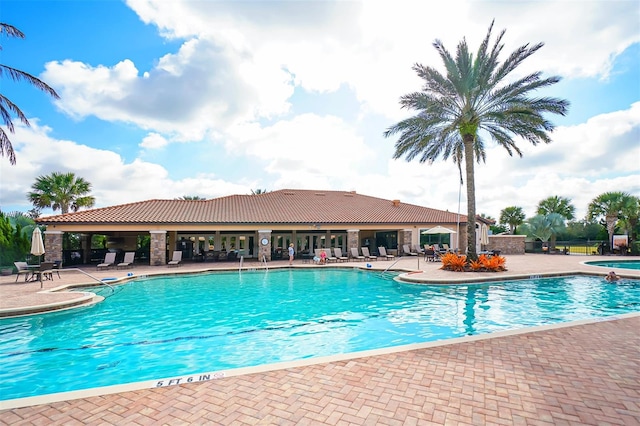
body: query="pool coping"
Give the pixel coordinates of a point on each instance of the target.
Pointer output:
(219, 375)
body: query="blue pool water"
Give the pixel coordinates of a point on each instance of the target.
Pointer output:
(623, 264)
(176, 326)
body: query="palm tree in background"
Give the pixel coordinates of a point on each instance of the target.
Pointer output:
(191, 198)
(258, 191)
(555, 204)
(6, 106)
(610, 206)
(472, 97)
(545, 226)
(61, 191)
(559, 205)
(512, 216)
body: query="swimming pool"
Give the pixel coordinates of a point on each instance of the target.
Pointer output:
(177, 326)
(623, 264)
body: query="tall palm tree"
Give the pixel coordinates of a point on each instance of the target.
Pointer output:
(609, 206)
(512, 216)
(474, 97)
(61, 191)
(6, 106)
(556, 204)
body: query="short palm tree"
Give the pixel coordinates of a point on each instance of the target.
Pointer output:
(559, 205)
(545, 226)
(6, 106)
(512, 216)
(474, 96)
(610, 206)
(61, 191)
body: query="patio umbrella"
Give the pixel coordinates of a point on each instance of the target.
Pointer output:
(37, 246)
(484, 234)
(439, 230)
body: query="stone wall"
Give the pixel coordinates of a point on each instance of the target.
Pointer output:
(53, 246)
(507, 244)
(158, 248)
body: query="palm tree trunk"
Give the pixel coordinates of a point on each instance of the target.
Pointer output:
(471, 198)
(611, 226)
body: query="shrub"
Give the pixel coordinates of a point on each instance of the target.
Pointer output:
(453, 262)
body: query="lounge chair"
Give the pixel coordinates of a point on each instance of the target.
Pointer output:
(109, 261)
(382, 251)
(127, 262)
(367, 255)
(355, 255)
(330, 258)
(338, 254)
(407, 250)
(177, 258)
(23, 269)
(417, 249)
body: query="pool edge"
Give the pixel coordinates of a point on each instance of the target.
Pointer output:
(220, 375)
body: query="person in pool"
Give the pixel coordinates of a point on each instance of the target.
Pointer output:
(612, 277)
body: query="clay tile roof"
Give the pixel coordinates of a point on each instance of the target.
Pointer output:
(283, 206)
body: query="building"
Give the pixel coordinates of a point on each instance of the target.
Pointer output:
(259, 226)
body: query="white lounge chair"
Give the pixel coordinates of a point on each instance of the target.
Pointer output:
(355, 255)
(382, 251)
(338, 253)
(408, 251)
(177, 258)
(109, 261)
(127, 262)
(330, 258)
(367, 255)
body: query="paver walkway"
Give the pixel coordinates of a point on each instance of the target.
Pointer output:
(583, 374)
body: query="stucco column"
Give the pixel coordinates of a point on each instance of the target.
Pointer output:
(264, 251)
(53, 246)
(158, 248)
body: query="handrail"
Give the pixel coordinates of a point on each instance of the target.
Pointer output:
(90, 276)
(390, 266)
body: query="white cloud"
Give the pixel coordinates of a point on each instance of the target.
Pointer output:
(153, 141)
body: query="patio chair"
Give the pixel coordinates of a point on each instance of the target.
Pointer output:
(23, 269)
(176, 259)
(355, 255)
(127, 262)
(407, 251)
(430, 255)
(367, 255)
(338, 254)
(45, 271)
(418, 249)
(109, 261)
(382, 251)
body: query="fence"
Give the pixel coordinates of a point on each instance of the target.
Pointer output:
(589, 247)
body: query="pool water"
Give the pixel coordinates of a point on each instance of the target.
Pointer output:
(174, 326)
(623, 264)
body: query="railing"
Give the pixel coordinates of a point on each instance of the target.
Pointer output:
(382, 274)
(241, 263)
(90, 276)
(589, 247)
(264, 261)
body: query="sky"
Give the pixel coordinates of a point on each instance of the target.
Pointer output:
(161, 99)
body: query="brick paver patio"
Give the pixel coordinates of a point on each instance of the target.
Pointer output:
(582, 374)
